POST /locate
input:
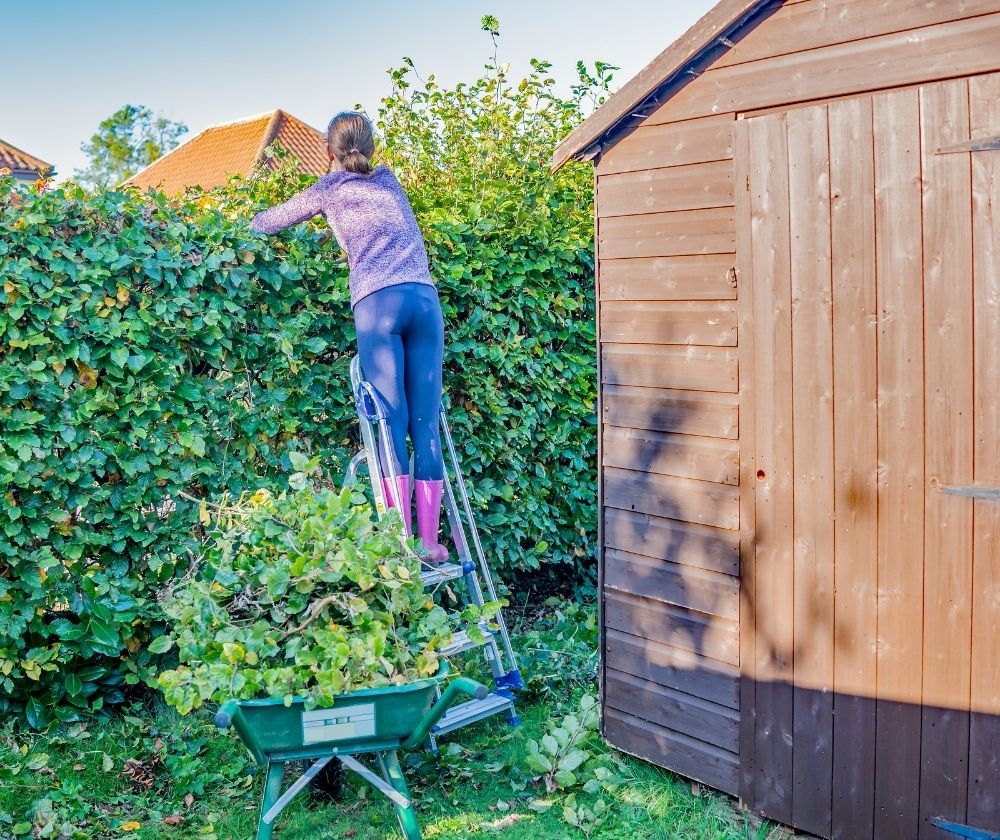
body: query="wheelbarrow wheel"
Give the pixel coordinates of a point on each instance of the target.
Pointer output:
(328, 785)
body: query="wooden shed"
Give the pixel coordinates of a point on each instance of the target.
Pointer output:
(798, 250)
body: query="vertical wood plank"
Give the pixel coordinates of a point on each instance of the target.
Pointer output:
(947, 225)
(901, 452)
(984, 733)
(748, 469)
(812, 404)
(774, 553)
(852, 217)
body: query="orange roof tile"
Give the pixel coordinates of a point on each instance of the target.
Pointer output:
(209, 158)
(21, 163)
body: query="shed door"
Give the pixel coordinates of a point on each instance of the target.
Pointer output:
(870, 365)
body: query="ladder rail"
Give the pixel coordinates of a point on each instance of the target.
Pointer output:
(480, 554)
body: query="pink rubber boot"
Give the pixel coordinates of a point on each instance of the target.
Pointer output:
(429, 518)
(406, 494)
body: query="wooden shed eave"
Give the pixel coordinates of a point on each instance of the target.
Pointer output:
(684, 59)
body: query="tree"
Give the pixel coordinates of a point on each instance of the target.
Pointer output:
(131, 138)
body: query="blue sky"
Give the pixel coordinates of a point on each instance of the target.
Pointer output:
(73, 63)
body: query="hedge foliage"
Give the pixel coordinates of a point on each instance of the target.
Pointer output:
(154, 351)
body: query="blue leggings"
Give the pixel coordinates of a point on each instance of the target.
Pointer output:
(401, 341)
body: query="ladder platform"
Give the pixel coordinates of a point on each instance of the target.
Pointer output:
(460, 642)
(442, 573)
(462, 714)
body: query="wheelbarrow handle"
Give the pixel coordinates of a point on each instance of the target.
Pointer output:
(458, 686)
(224, 717)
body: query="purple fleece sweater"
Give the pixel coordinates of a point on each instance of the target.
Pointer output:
(373, 222)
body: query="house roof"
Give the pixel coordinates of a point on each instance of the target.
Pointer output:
(19, 162)
(682, 61)
(212, 156)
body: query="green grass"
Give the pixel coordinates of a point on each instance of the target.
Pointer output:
(75, 784)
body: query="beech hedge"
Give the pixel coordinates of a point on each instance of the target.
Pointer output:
(155, 352)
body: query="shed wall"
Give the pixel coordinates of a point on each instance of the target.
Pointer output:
(679, 406)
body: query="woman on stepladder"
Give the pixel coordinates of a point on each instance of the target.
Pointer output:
(397, 313)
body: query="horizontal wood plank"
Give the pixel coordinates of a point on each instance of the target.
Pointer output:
(711, 636)
(691, 187)
(700, 719)
(692, 277)
(673, 667)
(686, 368)
(683, 542)
(662, 580)
(666, 410)
(703, 502)
(819, 23)
(677, 144)
(927, 54)
(669, 322)
(683, 232)
(687, 456)
(692, 758)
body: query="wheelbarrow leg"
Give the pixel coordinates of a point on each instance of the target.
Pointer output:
(393, 774)
(272, 790)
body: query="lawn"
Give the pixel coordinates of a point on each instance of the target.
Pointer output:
(150, 774)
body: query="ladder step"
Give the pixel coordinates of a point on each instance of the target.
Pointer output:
(470, 711)
(460, 642)
(435, 575)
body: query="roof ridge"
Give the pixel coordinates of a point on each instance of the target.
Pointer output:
(269, 133)
(27, 155)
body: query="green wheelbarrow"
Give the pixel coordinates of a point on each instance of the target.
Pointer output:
(375, 720)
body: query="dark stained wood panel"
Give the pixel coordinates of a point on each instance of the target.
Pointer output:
(665, 410)
(659, 322)
(943, 51)
(673, 667)
(691, 187)
(682, 232)
(984, 733)
(705, 635)
(818, 23)
(703, 502)
(680, 542)
(697, 277)
(688, 756)
(667, 707)
(707, 459)
(662, 580)
(692, 368)
(655, 146)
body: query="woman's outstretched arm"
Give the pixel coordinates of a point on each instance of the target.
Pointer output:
(298, 208)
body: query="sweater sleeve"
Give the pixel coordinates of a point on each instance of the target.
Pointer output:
(298, 208)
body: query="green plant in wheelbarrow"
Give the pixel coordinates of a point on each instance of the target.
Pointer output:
(307, 621)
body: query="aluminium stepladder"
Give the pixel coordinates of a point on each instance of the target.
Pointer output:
(470, 566)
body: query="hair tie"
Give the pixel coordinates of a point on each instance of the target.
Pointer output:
(354, 149)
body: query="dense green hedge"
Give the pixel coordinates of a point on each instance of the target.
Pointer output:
(155, 351)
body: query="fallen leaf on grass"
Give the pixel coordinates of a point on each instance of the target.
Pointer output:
(503, 822)
(174, 819)
(79, 767)
(130, 826)
(188, 800)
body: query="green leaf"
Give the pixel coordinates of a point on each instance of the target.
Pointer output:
(74, 685)
(35, 713)
(161, 644)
